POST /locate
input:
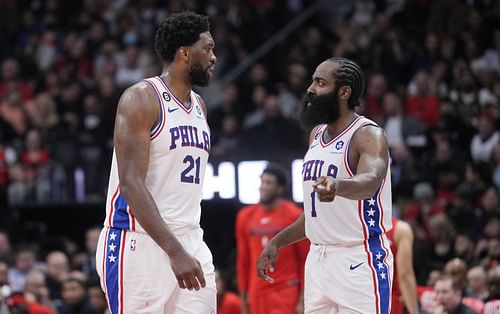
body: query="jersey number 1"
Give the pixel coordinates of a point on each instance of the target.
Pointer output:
(313, 204)
(191, 163)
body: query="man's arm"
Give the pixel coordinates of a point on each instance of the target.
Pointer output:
(403, 237)
(291, 234)
(136, 114)
(369, 147)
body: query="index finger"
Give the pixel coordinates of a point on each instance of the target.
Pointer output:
(320, 181)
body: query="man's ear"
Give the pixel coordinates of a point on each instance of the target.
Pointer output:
(184, 54)
(345, 92)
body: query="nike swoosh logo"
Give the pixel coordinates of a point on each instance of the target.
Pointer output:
(314, 145)
(171, 109)
(355, 266)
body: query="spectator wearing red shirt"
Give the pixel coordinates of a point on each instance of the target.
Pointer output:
(423, 104)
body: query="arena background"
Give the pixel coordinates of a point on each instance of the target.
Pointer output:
(434, 65)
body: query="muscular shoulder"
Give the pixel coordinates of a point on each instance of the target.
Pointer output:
(138, 106)
(369, 134)
(138, 101)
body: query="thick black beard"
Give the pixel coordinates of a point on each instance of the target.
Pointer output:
(319, 109)
(198, 76)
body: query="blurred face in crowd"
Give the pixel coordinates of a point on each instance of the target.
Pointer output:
(35, 284)
(321, 104)
(25, 260)
(494, 282)
(270, 190)
(97, 298)
(476, 279)
(73, 292)
(446, 296)
(57, 266)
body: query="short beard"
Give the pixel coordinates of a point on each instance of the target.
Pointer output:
(197, 75)
(319, 109)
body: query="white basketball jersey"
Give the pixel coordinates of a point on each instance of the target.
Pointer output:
(178, 156)
(343, 221)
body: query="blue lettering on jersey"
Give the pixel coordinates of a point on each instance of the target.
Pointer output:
(311, 170)
(189, 137)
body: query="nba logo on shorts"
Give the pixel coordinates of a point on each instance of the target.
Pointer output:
(132, 244)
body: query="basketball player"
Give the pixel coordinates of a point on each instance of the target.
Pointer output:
(347, 200)
(151, 257)
(404, 288)
(255, 226)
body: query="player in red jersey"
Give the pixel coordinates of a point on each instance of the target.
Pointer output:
(255, 226)
(404, 286)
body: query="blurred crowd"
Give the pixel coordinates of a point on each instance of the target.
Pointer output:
(433, 83)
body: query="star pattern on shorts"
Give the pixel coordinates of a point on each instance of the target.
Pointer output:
(112, 236)
(112, 258)
(112, 247)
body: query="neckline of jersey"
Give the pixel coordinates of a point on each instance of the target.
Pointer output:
(177, 100)
(345, 130)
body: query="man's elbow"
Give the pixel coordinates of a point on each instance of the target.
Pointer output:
(128, 186)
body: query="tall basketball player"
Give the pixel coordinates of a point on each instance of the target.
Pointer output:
(347, 200)
(151, 257)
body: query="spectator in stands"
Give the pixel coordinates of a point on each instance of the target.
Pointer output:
(492, 303)
(483, 143)
(477, 283)
(97, 298)
(376, 89)
(449, 297)
(25, 259)
(37, 288)
(89, 262)
(57, 265)
(74, 298)
(423, 105)
(6, 253)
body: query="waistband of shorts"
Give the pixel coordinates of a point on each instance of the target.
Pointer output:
(178, 232)
(338, 245)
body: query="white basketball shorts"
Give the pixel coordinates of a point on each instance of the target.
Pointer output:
(136, 276)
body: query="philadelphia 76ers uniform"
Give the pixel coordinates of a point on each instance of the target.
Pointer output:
(135, 272)
(349, 266)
